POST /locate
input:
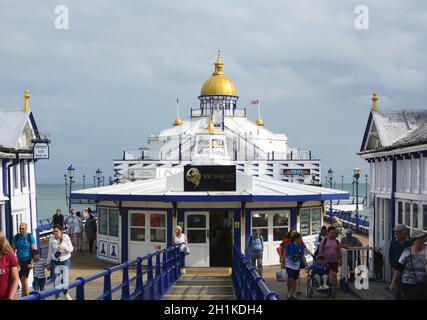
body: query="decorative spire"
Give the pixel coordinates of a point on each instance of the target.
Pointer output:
(26, 98)
(218, 65)
(178, 120)
(374, 101)
(259, 122)
(210, 128)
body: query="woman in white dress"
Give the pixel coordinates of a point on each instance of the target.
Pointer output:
(180, 239)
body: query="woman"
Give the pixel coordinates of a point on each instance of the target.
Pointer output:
(412, 266)
(180, 239)
(91, 230)
(8, 270)
(78, 232)
(59, 254)
(294, 258)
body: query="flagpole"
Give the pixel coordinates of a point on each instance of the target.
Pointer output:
(177, 102)
(259, 109)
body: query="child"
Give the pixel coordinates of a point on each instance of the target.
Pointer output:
(39, 266)
(320, 272)
(294, 258)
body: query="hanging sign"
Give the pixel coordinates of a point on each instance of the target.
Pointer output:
(41, 151)
(296, 172)
(209, 178)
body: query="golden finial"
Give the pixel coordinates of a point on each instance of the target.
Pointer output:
(259, 122)
(178, 120)
(210, 128)
(374, 101)
(218, 64)
(26, 98)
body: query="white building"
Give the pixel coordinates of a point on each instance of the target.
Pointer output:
(395, 145)
(17, 171)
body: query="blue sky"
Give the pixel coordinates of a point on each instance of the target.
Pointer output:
(113, 78)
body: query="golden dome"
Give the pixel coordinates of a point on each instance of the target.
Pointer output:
(218, 84)
(259, 122)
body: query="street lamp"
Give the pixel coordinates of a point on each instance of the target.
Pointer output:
(117, 177)
(342, 182)
(110, 180)
(98, 176)
(366, 186)
(66, 188)
(84, 180)
(352, 192)
(330, 176)
(356, 177)
(103, 180)
(70, 175)
(313, 177)
(94, 181)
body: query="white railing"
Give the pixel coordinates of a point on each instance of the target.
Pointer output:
(362, 256)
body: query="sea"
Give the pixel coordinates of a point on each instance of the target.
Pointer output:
(52, 196)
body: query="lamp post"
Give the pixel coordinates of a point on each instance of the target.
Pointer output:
(103, 180)
(313, 177)
(352, 192)
(98, 176)
(94, 181)
(366, 188)
(66, 189)
(70, 175)
(330, 176)
(342, 182)
(84, 181)
(117, 177)
(110, 180)
(356, 177)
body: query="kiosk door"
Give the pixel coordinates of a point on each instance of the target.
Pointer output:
(197, 231)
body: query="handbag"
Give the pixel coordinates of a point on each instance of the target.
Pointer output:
(282, 275)
(186, 250)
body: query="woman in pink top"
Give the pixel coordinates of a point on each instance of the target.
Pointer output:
(8, 270)
(330, 249)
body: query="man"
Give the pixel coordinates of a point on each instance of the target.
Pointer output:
(69, 221)
(350, 242)
(396, 248)
(24, 243)
(255, 246)
(330, 248)
(58, 218)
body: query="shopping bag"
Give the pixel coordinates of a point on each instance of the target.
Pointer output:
(282, 275)
(186, 250)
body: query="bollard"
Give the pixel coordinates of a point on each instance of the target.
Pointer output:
(139, 287)
(80, 290)
(107, 285)
(125, 282)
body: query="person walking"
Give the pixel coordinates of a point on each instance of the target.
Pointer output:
(294, 258)
(412, 267)
(59, 256)
(91, 230)
(78, 232)
(58, 218)
(38, 265)
(70, 224)
(397, 246)
(255, 247)
(349, 242)
(9, 277)
(180, 239)
(330, 249)
(24, 242)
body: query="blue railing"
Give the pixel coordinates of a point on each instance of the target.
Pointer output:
(161, 271)
(247, 283)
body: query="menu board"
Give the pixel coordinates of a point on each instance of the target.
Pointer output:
(114, 223)
(315, 221)
(304, 217)
(103, 221)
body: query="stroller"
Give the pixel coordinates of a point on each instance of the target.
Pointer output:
(313, 286)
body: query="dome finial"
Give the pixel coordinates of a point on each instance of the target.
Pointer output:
(26, 98)
(178, 120)
(218, 64)
(374, 101)
(210, 128)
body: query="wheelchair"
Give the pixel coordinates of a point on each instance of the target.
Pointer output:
(313, 287)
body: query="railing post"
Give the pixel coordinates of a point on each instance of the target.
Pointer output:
(80, 290)
(107, 285)
(165, 271)
(139, 288)
(150, 281)
(125, 282)
(158, 277)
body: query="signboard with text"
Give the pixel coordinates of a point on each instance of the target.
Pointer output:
(41, 151)
(296, 172)
(209, 178)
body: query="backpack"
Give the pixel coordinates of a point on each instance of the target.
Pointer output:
(262, 243)
(316, 253)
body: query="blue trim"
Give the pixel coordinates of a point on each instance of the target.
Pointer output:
(294, 218)
(393, 196)
(248, 214)
(180, 218)
(7, 209)
(208, 198)
(33, 124)
(365, 136)
(169, 227)
(29, 196)
(21, 173)
(124, 233)
(237, 231)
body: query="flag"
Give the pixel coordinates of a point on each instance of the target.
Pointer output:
(256, 102)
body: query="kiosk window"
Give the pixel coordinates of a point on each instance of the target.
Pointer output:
(103, 221)
(157, 227)
(108, 221)
(425, 217)
(280, 225)
(260, 222)
(137, 230)
(310, 221)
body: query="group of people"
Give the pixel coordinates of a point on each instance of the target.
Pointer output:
(73, 226)
(292, 251)
(20, 256)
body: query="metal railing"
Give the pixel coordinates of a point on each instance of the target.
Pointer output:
(160, 276)
(247, 283)
(369, 257)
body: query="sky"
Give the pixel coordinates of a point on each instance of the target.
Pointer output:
(111, 79)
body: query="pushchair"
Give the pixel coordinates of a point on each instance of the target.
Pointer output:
(313, 286)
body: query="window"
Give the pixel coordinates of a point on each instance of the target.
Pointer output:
(157, 228)
(415, 216)
(280, 225)
(400, 212)
(310, 221)
(108, 221)
(260, 222)
(15, 176)
(137, 230)
(425, 217)
(23, 170)
(407, 214)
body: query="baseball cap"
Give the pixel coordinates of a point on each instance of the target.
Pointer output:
(348, 230)
(417, 234)
(400, 227)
